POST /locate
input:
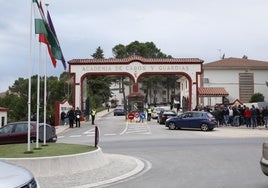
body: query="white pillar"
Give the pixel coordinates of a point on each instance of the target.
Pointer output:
(77, 96)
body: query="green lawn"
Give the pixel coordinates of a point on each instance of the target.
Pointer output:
(51, 149)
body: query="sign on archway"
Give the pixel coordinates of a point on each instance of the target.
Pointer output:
(135, 67)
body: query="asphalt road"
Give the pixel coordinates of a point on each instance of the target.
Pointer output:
(223, 158)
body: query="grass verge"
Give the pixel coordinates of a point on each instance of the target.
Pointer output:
(51, 149)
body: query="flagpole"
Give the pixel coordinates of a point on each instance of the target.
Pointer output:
(38, 98)
(45, 96)
(30, 83)
(45, 100)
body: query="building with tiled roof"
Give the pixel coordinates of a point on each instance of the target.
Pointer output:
(239, 77)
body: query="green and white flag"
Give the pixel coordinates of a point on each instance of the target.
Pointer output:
(39, 19)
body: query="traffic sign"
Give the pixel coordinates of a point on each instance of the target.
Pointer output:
(137, 114)
(142, 116)
(130, 116)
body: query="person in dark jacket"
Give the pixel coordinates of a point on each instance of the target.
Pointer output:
(253, 116)
(71, 117)
(265, 116)
(62, 118)
(77, 117)
(93, 114)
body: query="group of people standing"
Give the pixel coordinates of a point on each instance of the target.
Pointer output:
(241, 115)
(74, 117)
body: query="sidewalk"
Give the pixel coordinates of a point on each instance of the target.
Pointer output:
(61, 128)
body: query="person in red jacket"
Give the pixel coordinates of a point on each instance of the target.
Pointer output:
(247, 115)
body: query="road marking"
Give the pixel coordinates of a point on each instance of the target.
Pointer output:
(141, 128)
(75, 136)
(89, 131)
(110, 134)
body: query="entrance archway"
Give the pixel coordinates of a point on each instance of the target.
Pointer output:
(135, 67)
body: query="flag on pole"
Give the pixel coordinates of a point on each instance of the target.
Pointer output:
(55, 34)
(43, 39)
(42, 27)
(39, 21)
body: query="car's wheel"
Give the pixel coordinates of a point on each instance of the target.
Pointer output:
(172, 126)
(204, 127)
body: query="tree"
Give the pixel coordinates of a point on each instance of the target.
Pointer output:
(98, 87)
(257, 97)
(17, 100)
(150, 83)
(98, 54)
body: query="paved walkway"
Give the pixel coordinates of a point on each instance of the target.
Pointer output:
(119, 168)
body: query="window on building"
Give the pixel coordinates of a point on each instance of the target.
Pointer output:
(246, 86)
(164, 92)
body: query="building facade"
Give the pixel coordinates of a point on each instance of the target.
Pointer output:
(233, 79)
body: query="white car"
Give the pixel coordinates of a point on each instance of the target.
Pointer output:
(12, 176)
(156, 112)
(264, 158)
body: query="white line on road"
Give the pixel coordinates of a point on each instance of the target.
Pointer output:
(110, 134)
(74, 136)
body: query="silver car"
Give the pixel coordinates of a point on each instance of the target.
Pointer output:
(16, 176)
(264, 158)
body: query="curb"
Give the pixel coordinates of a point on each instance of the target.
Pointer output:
(61, 165)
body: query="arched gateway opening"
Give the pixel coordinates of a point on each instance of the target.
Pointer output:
(135, 67)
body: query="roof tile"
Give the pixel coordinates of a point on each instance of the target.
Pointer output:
(212, 91)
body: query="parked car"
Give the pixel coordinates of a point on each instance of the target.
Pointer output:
(16, 176)
(264, 158)
(192, 120)
(156, 112)
(17, 132)
(119, 111)
(164, 115)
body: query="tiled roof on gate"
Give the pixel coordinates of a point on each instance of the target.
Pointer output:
(212, 91)
(136, 58)
(236, 63)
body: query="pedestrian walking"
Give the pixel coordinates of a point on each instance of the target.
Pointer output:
(77, 117)
(265, 116)
(253, 116)
(225, 113)
(149, 113)
(236, 116)
(231, 116)
(93, 114)
(63, 118)
(71, 117)
(247, 115)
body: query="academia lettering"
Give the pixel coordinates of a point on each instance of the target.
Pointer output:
(135, 68)
(97, 69)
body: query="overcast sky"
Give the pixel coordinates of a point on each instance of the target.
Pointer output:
(204, 29)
